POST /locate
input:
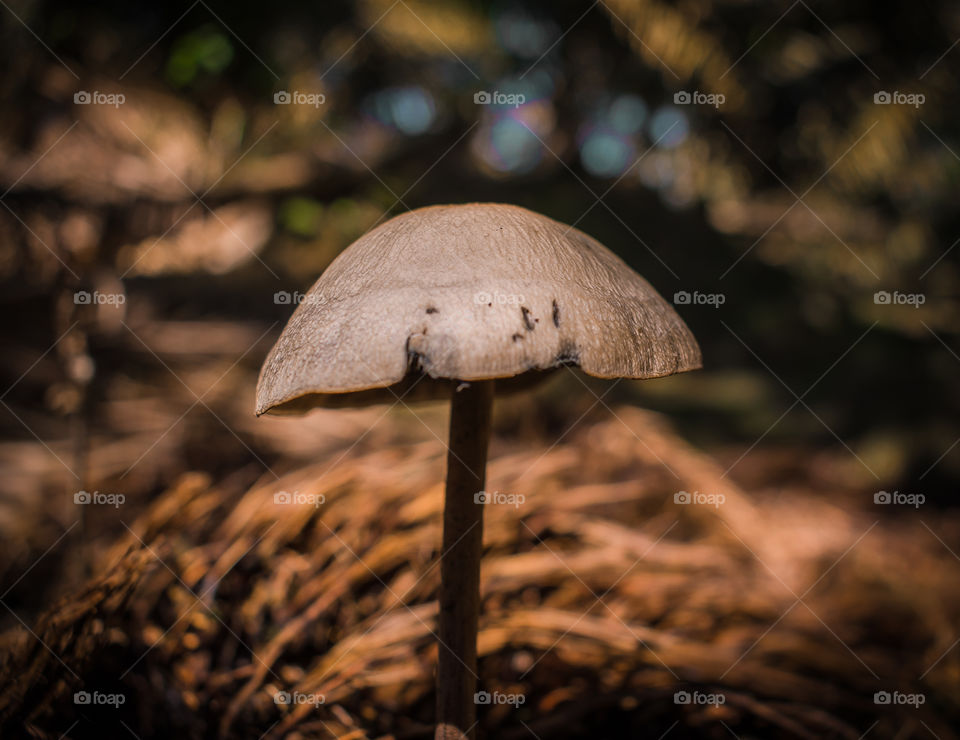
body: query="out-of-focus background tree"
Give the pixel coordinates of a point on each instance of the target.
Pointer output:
(174, 177)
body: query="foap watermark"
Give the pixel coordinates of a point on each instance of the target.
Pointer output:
(86, 498)
(501, 299)
(898, 698)
(696, 298)
(499, 697)
(285, 297)
(496, 97)
(96, 298)
(899, 98)
(685, 498)
(695, 97)
(699, 698)
(315, 99)
(96, 97)
(295, 497)
(297, 697)
(885, 498)
(496, 497)
(98, 698)
(896, 298)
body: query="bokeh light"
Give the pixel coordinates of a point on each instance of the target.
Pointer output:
(520, 117)
(627, 114)
(669, 127)
(510, 146)
(411, 110)
(523, 35)
(605, 153)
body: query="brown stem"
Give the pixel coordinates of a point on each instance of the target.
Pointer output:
(470, 411)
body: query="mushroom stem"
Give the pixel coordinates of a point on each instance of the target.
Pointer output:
(470, 411)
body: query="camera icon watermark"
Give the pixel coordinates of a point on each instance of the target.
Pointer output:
(498, 697)
(286, 298)
(898, 698)
(887, 498)
(83, 97)
(485, 498)
(297, 697)
(883, 97)
(699, 698)
(686, 498)
(314, 99)
(695, 97)
(498, 98)
(501, 299)
(85, 498)
(98, 698)
(96, 298)
(896, 298)
(300, 499)
(696, 298)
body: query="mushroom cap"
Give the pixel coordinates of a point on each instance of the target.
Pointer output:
(468, 292)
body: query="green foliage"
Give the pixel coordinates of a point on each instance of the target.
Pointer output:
(204, 51)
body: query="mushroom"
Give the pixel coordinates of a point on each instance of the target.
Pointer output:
(454, 301)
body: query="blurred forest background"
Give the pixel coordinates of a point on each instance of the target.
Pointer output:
(794, 163)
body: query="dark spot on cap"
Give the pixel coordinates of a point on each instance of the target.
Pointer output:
(431, 309)
(568, 354)
(556, 314)
(517, 337)
(415, 360)
(525, 312)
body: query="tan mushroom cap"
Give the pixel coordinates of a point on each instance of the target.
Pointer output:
(468, 292)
